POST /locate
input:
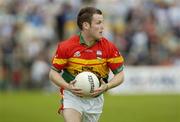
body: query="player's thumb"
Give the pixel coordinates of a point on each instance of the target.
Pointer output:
(102, 81)
(73, 82)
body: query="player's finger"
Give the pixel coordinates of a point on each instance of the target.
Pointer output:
(98, 89)
(79, 91)
(95, 93)
(73, 81)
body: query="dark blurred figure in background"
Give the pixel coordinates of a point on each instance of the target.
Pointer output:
(61, 19)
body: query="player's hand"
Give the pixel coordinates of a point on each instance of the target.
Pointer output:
(101, 89)
(76, 91)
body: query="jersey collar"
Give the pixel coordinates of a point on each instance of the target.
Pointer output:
(82, 41)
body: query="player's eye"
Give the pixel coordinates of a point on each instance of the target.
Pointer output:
(99, 22)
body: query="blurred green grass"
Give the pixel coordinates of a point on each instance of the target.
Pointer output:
(40, 106)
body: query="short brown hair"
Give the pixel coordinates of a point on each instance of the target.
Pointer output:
(85, 15)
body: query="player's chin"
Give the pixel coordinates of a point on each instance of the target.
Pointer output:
(99, 36)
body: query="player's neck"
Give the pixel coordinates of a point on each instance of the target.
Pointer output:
(89, 40)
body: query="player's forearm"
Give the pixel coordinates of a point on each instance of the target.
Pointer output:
(57, 79)
(116, 80)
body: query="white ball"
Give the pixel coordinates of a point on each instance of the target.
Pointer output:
(87, 81)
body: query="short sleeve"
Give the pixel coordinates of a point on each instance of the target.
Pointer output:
(115, 59)
(59, 60)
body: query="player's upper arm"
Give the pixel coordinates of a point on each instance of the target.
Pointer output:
(115, 59)
(60, 58)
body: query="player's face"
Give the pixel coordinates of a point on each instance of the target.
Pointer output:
(97, 26)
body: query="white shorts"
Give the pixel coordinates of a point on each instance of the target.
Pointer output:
(90, 108)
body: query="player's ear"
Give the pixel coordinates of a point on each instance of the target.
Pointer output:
(86, 25)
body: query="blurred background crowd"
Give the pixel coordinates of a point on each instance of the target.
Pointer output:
(147, 32)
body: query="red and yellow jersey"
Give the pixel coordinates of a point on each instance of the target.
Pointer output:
(73, 56)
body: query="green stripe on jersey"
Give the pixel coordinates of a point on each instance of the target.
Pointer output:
(67, 76)
(118, 70)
